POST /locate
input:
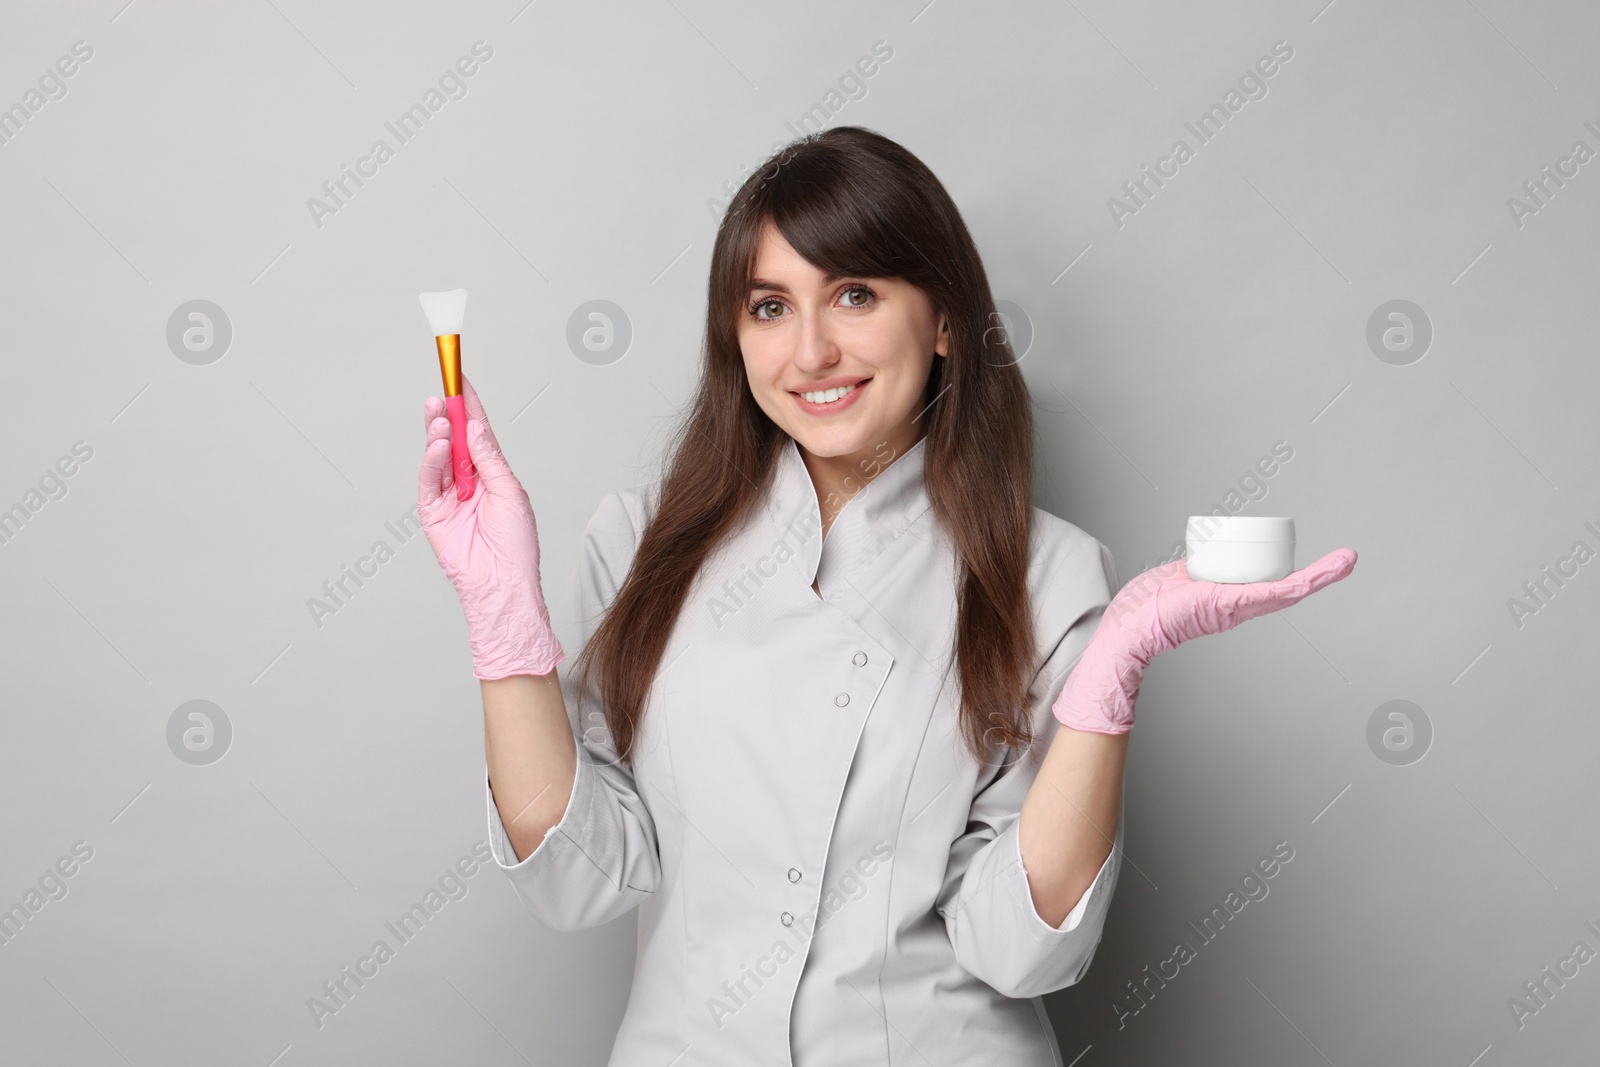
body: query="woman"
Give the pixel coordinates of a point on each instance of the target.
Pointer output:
(851, 714)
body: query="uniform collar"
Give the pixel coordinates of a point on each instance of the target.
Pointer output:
(870, 520)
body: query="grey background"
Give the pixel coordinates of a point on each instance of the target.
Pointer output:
(1230, 312)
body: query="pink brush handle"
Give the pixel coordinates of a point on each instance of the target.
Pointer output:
(460, 457)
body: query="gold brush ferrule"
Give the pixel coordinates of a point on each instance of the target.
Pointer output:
(450, 362)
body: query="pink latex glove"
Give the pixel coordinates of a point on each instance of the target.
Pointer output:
(488, 546)
(1161, 609)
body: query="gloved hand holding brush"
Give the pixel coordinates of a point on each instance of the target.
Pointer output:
(488, 546)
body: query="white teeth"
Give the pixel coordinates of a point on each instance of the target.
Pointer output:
(828, 396)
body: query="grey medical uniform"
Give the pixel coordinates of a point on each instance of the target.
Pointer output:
(824, 875)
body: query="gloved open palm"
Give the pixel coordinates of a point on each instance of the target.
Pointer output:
(1160, 609)
(488, 546)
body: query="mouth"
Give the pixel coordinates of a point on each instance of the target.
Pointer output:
(830, 401)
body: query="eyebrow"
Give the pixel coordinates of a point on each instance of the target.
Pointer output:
(779, 287)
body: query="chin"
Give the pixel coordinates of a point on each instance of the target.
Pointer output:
(833, 443)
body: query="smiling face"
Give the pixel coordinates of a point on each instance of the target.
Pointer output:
(839, 363)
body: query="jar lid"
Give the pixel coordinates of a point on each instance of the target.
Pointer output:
(1239, 528)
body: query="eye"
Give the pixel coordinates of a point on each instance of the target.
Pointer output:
(869, 294)
(755, 308)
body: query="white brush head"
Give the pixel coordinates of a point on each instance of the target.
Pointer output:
(445, 311)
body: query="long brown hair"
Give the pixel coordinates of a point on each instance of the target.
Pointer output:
(852, 203)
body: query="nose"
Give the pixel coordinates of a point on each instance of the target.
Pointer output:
(815, 348)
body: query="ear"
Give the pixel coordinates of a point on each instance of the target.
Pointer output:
(941, 346)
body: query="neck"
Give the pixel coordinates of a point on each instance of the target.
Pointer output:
(838, 478)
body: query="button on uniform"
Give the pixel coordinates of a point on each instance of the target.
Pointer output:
(860, 659)
(794, 874)
(842, 699)
(786, 919)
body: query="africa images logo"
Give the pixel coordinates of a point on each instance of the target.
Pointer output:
(1253, 888)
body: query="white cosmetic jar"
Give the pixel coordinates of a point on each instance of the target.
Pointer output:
(1239, 548)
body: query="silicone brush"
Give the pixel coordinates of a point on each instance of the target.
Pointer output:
(445, 313)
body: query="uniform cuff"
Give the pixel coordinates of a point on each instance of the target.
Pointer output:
(1075, 916)
(560, 836)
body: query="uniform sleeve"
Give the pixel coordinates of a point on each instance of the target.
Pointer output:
(987, 907)
(601, 859)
